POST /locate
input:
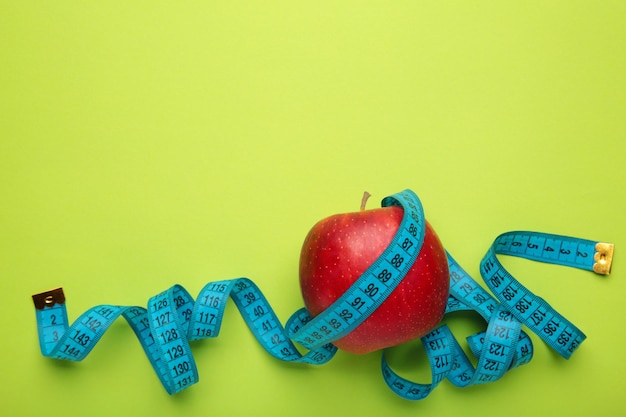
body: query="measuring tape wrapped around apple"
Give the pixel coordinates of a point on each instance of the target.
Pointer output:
(370, 280)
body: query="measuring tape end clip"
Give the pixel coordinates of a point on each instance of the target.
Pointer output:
(49, 298)
(603, 258)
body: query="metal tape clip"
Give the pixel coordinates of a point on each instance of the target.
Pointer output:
(49, 298)
(603, 258)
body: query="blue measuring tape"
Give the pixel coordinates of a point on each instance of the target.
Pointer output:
(173, 319)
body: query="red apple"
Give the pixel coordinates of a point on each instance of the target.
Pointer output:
(338, 250)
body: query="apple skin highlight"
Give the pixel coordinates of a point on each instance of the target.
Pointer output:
(338, 250)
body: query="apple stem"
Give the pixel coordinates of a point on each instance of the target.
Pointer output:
(366, 195)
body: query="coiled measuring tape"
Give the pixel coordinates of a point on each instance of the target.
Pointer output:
(173, 319)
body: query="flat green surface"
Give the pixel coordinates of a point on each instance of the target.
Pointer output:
(144, 144)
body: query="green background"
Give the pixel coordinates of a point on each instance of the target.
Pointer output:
(144, 144)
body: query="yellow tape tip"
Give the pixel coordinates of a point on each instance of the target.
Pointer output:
(49, 298)
(603, 258)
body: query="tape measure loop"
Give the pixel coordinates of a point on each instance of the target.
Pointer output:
(553, 328)
(438, 346)
(169, 314)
